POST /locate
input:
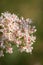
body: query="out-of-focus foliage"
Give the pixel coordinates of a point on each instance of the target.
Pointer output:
(34, 10)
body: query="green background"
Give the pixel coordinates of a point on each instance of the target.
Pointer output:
(34, 10)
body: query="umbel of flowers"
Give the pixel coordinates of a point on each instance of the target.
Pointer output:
(16, 30)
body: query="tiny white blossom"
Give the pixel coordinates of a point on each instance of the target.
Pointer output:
(9, 50)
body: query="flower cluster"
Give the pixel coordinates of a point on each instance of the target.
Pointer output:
(16, 30)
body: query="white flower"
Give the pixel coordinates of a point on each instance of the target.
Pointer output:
(27, 49)
(9, 50)
(10, 17)
(28, 20)
(33, 38)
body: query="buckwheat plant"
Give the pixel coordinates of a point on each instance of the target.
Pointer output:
(16, 31)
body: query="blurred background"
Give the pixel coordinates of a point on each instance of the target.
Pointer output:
(34, 10)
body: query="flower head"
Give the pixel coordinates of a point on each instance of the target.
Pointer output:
(16, 30)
